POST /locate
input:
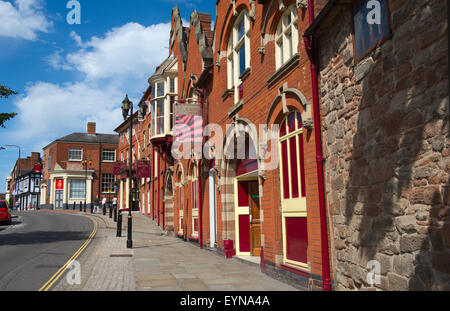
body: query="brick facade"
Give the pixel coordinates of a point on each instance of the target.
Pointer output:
(56, 165)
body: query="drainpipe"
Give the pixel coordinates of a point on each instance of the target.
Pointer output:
(153, 183)
(309, 45)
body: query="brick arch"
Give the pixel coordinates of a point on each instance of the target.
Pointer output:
(177, 168)
(301, 104)
(226, 182)
(229, 21)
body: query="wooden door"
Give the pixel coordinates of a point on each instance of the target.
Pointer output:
(255, 221)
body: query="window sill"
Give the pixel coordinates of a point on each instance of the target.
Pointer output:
(227, 93)
(235, 108)
(245, 74)
(284, 69)
(295, 270)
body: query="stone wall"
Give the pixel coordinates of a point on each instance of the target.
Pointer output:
(385, 125)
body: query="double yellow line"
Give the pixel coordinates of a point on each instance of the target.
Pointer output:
(61, 271)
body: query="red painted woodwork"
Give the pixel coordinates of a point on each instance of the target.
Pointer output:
(284, 159)
(243, 193)
(244, 233)
(246, 166)
(294, 166)
(302, 166)
(296, 238)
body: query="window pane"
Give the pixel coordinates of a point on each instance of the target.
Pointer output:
(160, 89)
(242, 59)
(283, 129)
(302, 166)
(291, 122)
(75, 154)
(153, 90)
(77, 189)
(285, 172)
(172, 85)
(294, 166)
(109, 155)
(107, 182)
(241, 29)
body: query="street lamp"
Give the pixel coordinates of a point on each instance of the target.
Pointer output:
(18, 166)
(127, 111)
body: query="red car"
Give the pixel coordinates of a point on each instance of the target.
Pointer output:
(5, 215)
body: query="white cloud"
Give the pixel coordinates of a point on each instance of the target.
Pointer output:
(117, 63)
(128, 51)
(23, 20)
(49, 111)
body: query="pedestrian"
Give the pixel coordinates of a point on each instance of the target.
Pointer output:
(114, 203)
(104, 205)
(96, 204)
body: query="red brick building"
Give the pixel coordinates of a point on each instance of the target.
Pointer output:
(276, 177)
(67, 180)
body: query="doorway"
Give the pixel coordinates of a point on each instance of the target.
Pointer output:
(59, 199)
(248, 216)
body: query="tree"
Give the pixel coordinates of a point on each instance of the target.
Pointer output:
(5, 93)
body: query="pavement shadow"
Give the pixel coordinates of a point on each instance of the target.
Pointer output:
(40, 237)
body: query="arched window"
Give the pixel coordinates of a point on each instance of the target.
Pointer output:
(293, 191)
(286, 37)
(238, 52)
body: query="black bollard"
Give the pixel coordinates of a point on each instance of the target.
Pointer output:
(115, 213)
(85, 206)
(110, 210)
(74, 205)
(104, 209)
(92, 208)
(119, 225)
(81, 206)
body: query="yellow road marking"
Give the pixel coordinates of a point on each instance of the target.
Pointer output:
(61, 271)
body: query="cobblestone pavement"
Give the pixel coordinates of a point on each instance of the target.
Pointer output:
(159, 262)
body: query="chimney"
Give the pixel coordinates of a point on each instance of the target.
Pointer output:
(92, 128)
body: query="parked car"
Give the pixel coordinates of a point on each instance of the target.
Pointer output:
(5, 214)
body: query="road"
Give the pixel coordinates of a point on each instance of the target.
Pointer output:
(37, 245)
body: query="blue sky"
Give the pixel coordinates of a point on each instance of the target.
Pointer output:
(68, 75)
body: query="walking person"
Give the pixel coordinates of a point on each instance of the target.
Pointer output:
(96, 204)
(104, 205)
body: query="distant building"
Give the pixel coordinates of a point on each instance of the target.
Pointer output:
(67, 180)
(24, 176)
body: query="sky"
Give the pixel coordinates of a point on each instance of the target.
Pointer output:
(70, 74)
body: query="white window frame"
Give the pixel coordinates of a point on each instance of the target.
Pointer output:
(286, 37)
(233, 59)
(71, 194)
(110, 151)
(106, 181)
(74, 159)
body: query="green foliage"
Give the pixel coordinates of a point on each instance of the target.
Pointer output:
(5, 93)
